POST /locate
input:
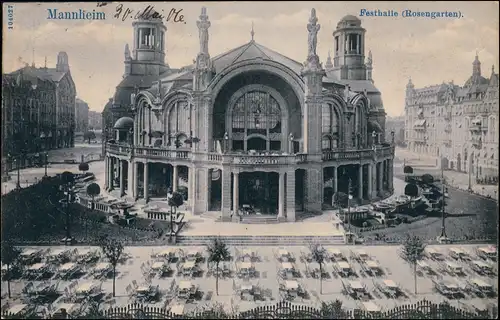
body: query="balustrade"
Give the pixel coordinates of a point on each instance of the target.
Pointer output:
(250, 159)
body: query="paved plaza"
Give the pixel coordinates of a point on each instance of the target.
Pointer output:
(266, 278)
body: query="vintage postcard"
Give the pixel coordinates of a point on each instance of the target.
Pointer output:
(250, 160)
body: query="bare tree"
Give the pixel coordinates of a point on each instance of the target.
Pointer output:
(10, 255)
(412, 251)
(218, 252)
(318, 255)
(112, 250)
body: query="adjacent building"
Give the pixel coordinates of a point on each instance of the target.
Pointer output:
(81, 116)
(396, 126)
(249, 129)
(38, 110)
(457, 124)
(95, 120)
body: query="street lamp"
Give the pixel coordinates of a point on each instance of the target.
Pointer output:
(18, 184)
(349, 198)
(226, 142)
(46, 163)
(443, 236)
(67, 179)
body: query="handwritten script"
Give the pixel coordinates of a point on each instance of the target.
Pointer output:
(124, 13)
(102, 4)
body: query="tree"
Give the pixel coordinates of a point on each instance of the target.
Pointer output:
(412, 251)
(217, 252)
(411, 190)
(318, 255)
(93, 190)
(408, 170)
(112, 250)
(175, 200)
(83, 167)
(427, 179)
(341, 199)
(10, 254)
(332, 310)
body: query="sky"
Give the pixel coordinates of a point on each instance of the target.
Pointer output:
(429, 51)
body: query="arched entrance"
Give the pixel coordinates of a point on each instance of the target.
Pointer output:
(459, 162)
(258, 192)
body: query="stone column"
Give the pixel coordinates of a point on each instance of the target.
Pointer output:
(235, 193)
(131, 178)
(391, 173)
(226, 194)
(201, 189)
(111, 174)
(360, 182)
(370, 181)
(190, 188)
(122, 179)
(281, 196)
(136, 180)
(314, 185)
(290, 195)
(380, 178)
(106, 172)
(175, 178)
(146, 182)
(335, 180)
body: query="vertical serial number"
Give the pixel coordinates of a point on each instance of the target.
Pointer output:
(10, 17)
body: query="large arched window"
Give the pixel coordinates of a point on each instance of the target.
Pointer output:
(256, 122)
(261, 113)
(329, 127)
(179, 122)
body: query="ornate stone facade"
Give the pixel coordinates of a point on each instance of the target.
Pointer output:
(38, 109)
(458, 125)
(252, 128)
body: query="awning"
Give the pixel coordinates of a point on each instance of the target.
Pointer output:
(374, 126)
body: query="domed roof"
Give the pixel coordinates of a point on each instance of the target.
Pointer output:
(349, 21)
(350, 17)
(124, 123)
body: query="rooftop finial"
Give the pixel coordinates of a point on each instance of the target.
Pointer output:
(45, 62)
(33, 61)
(252, 33)
(493, 68)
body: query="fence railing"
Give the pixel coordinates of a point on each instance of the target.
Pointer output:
(286, 310)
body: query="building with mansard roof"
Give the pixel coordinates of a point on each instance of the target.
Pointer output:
(456, 124)
(250, 130)
(38, 112)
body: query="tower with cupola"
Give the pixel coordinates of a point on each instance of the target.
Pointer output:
(148, 50)
(349, 50)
